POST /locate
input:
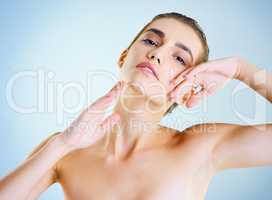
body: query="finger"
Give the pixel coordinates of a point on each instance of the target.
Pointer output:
(186, 71)
(179, 78)
(96, 110)
(176, 81)
(197, 69)
(112, 94)
(196, 99)
(108, 98)
(210, 81)
(177, 95)
(184, 98)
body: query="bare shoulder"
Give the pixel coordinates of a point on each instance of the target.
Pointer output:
(210, 130)
(207, 133)
(194, 131)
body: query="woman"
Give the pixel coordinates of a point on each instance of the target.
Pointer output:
(129, 155)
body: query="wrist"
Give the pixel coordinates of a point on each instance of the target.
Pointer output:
(245, 71)
(240, 72)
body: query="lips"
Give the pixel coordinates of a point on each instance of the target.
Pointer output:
(149, 67)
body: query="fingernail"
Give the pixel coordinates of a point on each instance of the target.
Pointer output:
(172, 99)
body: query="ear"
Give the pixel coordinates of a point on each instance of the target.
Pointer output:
(122, 57)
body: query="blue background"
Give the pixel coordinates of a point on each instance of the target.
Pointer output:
(66, 40)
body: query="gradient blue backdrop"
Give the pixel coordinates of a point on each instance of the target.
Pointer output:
(51, 46)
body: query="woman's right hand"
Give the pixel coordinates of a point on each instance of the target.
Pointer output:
(38, 171)
(90, 126)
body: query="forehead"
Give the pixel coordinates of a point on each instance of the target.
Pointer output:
(176, 31)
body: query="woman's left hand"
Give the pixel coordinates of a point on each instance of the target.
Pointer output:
(211, 76)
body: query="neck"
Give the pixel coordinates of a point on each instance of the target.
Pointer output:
(139, 126)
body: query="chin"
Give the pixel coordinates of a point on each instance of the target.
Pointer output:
(154, 92)
(148, 86)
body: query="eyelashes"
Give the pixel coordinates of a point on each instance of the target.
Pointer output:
(152, 43)
(180, 60)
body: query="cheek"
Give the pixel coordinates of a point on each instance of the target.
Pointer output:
(170, 73)
(134, 56)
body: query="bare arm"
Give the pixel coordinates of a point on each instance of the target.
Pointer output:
(258, 79)
(48, 179)
(38, 172)
(231, 145)
(39, 166)
(238, 146)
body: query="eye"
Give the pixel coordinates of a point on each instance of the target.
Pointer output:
(150, 42)
(180, 60)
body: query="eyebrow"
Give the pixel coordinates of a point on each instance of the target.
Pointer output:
(157, 32)
(178, 44)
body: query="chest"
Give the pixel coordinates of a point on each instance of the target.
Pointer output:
(154, 175)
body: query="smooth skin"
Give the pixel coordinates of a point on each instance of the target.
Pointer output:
(128, 155)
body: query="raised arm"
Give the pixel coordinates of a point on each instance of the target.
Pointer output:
(38, 171)
(258, 79)
(246, 145)
(239, 146)
(233, 145)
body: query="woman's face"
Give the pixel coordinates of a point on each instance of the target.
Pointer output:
(170, 47)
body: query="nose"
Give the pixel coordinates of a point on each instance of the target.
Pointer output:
(153, 55)
(158, 60)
